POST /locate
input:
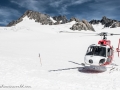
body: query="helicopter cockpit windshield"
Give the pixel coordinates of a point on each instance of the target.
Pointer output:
(96, 51)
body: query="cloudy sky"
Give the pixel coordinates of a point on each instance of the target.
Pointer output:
(82, 9)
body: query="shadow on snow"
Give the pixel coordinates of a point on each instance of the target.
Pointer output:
(81, 69)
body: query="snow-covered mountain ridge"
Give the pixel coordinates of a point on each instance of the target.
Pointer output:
(107, 22)
(45, 19)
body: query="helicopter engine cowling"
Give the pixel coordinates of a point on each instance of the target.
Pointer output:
(94, 60)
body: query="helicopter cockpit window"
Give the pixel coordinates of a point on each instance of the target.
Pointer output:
(97, 51)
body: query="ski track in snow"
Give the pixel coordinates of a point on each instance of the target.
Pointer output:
(20, 63)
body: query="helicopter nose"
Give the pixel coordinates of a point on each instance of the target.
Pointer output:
(90, 61)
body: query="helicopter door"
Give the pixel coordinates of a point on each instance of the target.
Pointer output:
(109, 54)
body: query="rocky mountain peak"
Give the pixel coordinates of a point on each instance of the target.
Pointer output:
(82, 25)
(61, 19)
(104, 18)
(74, 19)
(106, 22)
(38, 17)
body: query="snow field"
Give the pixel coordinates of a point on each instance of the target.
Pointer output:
(20, 62)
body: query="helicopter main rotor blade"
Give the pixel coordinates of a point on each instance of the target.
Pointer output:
(76, 32)
(114, 34)
(92, 33)
(87, 35)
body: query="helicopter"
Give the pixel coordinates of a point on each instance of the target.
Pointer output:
(99, 56)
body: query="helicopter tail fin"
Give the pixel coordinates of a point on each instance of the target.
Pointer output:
(118, 49)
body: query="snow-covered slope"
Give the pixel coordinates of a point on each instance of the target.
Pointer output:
(56, 68)
(98, 26)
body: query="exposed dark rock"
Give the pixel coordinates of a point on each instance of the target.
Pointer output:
(88, 25)
(105, 21)
(14, 22)
(115, 24)
(83, 25)
(61, 19)
(51, 23)
(56, 23)
(38, 17)
(74, 19)
(94, 21)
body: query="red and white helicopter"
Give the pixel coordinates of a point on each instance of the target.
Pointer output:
(99, 56)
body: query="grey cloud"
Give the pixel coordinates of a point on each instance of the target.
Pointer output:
(63, 5)
(56, 3)
(7, 14)
(31, 4)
